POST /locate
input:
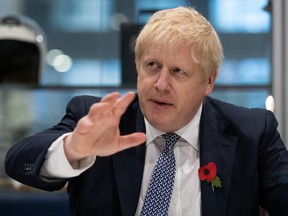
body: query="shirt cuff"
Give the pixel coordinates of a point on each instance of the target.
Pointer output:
(56, 164)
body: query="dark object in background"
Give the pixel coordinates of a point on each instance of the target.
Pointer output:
(129, 33)
(34, 204)
(19, 62)
(22, 50)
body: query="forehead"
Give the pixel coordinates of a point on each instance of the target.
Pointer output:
(176, 51)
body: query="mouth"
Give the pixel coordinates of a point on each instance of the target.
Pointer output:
(161, 103)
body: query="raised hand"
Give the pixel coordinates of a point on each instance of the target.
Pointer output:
(97, 133)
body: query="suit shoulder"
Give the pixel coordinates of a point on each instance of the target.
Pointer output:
(88, 100)
(80, 105)
(223, 106)
(236, 113)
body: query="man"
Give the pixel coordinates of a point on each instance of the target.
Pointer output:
(97, 149)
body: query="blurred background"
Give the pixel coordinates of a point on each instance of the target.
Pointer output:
(86, 49)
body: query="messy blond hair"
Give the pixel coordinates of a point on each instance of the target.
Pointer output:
(183, 24)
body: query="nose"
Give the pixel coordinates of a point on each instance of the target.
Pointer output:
(163, 82)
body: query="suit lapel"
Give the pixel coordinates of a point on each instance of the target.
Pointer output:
(129, 166)
(216, 145)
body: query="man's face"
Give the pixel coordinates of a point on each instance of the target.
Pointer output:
(170, 86)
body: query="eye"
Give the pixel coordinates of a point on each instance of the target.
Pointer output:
(153, 66)
(178, 71)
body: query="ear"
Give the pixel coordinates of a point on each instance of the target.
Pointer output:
(211, 82)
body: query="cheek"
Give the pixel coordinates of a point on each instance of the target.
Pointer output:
(139, 82)
(144, 82)
(143, 87)
(139, 79)
(190, 104)
(191, 95)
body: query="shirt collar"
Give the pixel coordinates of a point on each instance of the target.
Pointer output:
(190, 132)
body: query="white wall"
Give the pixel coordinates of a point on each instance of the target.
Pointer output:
(280, 64)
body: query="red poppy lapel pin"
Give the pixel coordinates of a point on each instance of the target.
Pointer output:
(208, 173)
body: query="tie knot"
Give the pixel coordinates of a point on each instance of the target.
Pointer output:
(170, 139)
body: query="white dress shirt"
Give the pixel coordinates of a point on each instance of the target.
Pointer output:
(186, 196)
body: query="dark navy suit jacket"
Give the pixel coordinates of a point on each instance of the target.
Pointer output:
(250, 156)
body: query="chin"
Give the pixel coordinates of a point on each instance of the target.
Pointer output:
(163, 125)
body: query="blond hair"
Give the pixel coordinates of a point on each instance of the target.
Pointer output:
(186, 25)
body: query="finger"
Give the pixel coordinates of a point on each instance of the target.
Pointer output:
(131, 140)
(122, 103)
(98, 109)
(111, 98)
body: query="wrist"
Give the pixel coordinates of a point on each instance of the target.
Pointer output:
(71, 155)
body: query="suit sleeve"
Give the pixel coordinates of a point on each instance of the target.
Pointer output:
(273, 170)
(24, 159)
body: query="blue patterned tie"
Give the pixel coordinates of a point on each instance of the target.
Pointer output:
(159, 192)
